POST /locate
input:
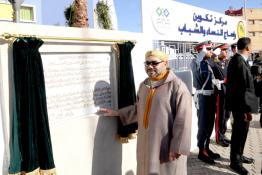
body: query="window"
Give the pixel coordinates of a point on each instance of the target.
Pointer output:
(27, 13)
(251, 21)
(259, 22)
(251, 34)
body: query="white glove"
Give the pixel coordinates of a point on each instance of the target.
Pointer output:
(217, 83)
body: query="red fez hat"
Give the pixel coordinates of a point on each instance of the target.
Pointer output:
(200, 46)
(222, 46)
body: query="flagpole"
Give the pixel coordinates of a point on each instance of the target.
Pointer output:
(245, 17)
(245, 8)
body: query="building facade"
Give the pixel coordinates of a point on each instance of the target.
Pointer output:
(253, 18)
(30, 11)
(254, 27)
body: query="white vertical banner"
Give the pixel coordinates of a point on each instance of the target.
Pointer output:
(1, 137)
(112, 14)
(5, 89)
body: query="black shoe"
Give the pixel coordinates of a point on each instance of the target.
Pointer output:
(247, 160)
(205, 157)
(223, 143)
(239, 169)
(212, 154)
(227, 140)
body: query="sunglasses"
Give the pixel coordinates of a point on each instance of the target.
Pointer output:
(153, 63)
(223, 49)
(208, 48)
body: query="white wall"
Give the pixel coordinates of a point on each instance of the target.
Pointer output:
(83, 145)
(2, 146)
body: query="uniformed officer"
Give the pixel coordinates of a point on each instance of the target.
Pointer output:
(234, 49)
(222, 115)
(206, 101)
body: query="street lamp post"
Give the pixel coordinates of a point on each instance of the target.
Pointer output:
(16, 4)
(245, 16)
(245, 8)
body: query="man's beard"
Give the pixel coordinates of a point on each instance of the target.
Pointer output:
(152, 73)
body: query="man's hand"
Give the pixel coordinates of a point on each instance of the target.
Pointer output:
(108, 112)
(173, 156)
(248, 117)
(259, 77)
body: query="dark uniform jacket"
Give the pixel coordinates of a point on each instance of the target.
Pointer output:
(240, 92)
(206, 74)
(220, 72)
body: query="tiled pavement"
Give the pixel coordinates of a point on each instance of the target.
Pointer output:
(253, 149)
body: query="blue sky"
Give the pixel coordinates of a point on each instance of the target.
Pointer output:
(129, 13)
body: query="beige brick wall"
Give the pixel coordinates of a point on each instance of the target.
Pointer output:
(254, 27)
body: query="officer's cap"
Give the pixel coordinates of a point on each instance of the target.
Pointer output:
(222, 46)
(234, 45)
(201, 45)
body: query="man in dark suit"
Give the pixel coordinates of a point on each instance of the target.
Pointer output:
(257, 64)
(241, 100)
(258, 88)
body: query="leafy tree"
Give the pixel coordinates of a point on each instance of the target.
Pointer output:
(69, 12)
(103, 17)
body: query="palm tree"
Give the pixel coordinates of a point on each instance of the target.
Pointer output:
(79, 19)
(16, 9)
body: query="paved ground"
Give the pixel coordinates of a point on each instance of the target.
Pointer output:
(253, 149)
